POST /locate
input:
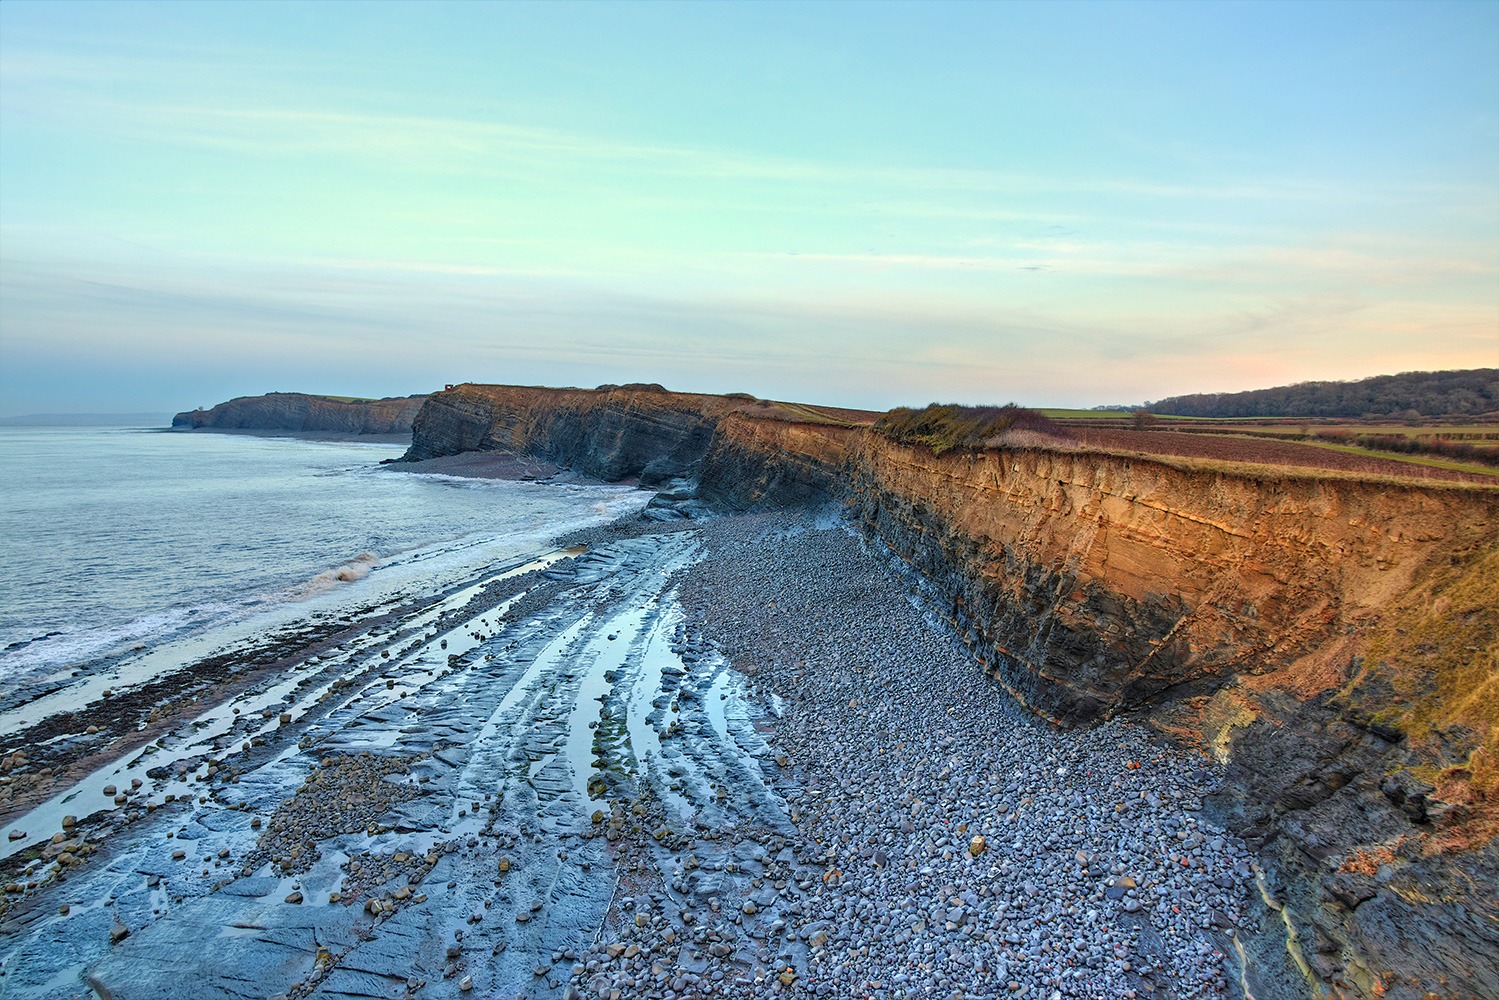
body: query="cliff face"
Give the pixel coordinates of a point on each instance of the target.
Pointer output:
(1098, 583)
(754, 461)
(298, 412)
(1333, 641)
(643, 433)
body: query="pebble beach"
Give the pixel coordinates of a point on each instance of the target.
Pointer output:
(946, 844)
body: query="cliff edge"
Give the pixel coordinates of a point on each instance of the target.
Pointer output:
(1333, 640)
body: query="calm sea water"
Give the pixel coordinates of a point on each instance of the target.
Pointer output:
(117, 539)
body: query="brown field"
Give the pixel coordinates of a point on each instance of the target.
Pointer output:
(1257, 442)
(1264, 451)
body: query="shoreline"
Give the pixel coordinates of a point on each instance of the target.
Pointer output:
(347, 437)
(494, 465)
(699, 745)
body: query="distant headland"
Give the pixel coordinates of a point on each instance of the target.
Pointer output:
(303, 413)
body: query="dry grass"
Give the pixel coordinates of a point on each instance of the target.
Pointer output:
(1390, 456)
(1432, 671)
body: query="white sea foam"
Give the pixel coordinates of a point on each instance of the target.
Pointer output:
(72, 646)
(355, 569)
(122, 539)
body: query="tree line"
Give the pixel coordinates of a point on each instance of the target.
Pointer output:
(1408, 395)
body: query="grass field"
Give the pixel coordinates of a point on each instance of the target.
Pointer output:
(1246, 442)
(1478, 433)
(1338, 441)
(1429, 460)
(1065, 414)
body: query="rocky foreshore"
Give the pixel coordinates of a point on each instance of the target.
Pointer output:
(751, 755)
(723, 758)
(1326, 635)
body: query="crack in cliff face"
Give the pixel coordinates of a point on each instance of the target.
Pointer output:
(1292, 936)
(1220, 592)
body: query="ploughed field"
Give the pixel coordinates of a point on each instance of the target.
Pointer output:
(727, 758)
(1227, 447)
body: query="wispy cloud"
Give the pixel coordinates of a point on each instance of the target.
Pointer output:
(447, 144)
(283, 132)
(228, 205)
(1200, 263)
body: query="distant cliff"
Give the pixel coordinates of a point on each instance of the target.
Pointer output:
(1334, 641)
(299, 412)
(636, 432)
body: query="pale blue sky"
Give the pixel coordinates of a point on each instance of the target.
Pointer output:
(868, 204)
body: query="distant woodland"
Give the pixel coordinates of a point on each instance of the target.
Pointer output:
(1407, 395)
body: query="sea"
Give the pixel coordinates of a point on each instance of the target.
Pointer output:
(115, 542)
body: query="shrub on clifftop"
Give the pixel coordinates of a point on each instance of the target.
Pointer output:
(943, 427)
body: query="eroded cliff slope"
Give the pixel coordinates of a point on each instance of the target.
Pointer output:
(1332, 639)
(296, 412)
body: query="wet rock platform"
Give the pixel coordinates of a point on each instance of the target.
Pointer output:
(723, 758)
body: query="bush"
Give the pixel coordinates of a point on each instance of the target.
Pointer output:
(946, 427)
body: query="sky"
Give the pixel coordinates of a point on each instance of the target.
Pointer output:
(857, 204)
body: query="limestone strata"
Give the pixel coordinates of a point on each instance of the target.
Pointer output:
(631, 432)
(1093, 582)
(756, 461)
(297, 412)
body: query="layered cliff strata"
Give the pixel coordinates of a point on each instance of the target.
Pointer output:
(743, 450)
(1333, 639)
(637, 432)
(295, 412)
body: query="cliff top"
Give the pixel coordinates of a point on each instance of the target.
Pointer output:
(653, 394)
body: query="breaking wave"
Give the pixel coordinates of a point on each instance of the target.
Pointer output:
(355, 569)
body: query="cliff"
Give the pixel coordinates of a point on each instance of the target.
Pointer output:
(641, 433)
(1332, 640)
(299, 412)
(745, 451)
